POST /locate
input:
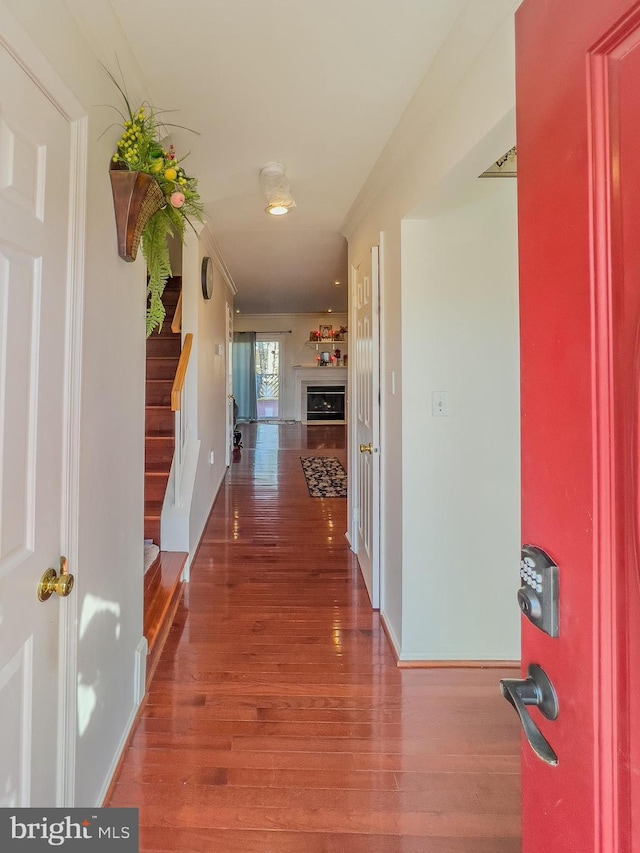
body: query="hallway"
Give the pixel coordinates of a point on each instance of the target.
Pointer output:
(278, 721)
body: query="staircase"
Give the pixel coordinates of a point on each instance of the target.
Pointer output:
(162, 583)
(163, 353)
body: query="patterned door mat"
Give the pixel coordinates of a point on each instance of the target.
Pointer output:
(326, 478)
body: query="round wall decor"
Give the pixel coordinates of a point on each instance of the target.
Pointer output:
(206, 277)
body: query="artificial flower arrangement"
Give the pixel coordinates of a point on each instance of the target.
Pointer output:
(140, 149)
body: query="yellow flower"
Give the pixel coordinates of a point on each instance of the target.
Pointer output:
(157, 166)
(170, 174)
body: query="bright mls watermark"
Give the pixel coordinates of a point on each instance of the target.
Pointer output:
(69, 829)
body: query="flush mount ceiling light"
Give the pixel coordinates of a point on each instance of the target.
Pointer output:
(275, 186)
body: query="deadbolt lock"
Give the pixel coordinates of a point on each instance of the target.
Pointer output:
(51, 582)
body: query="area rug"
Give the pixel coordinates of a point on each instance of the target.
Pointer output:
(326, 478)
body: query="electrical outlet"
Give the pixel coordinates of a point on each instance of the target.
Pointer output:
(439, 404)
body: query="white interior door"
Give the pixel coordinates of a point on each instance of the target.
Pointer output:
(229, 437)
(365, 290)
(35, 482)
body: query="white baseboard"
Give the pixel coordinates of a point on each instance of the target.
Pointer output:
(393, 640)
(140, 671)
(193, 550)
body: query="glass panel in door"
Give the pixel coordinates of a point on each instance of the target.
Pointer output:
(268, 379)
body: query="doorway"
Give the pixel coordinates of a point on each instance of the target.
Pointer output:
(461, 457)
(267, 373)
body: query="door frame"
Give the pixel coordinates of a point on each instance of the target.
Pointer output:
(229, 428)
(353, 500)
(16, 40)
(276, 338)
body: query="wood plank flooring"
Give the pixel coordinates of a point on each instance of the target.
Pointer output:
(277, 720)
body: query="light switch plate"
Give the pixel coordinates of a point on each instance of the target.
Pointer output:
(439, 404)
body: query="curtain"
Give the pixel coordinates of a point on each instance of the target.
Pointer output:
(244, 375)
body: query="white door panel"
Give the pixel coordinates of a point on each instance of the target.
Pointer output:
(35, 151)
(365, 291)
(229, 369)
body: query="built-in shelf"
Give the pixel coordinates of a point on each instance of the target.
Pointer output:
(340, 343)
(327, 368)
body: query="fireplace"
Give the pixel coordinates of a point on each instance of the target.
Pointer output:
(325, 402)
(326, 378)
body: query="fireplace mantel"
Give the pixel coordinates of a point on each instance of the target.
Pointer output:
(313, 375)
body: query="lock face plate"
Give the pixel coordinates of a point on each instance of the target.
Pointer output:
(538, 593)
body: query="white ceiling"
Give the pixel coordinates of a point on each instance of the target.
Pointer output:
(318, 85)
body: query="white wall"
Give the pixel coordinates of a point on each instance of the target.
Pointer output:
(295, 330)
(204, 399)
(461, 512)
(211, 383)
(110, 565)
(460, 120)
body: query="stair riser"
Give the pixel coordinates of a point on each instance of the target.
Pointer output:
(159, 421)
(152, 529)
(171, 296)
(158, 392)
(165, 329)
(158, 454)
(160, 347)
(161, 368)
(155, 487)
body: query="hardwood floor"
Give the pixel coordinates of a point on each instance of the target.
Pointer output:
(277, 720)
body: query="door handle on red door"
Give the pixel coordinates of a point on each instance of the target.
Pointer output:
(536, 690)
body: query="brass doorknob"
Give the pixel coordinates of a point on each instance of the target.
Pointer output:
(366, 448)
(51, 582)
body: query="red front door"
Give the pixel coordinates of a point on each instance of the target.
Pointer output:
(578, 106)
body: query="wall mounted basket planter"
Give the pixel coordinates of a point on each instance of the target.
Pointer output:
(136, 197)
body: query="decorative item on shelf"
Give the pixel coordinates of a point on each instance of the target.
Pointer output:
(326, 333)
(324, 359)
(337, 355)
(344, 359)
(153, 198)
(314, 335)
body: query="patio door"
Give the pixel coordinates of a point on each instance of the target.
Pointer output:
(267, 377)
